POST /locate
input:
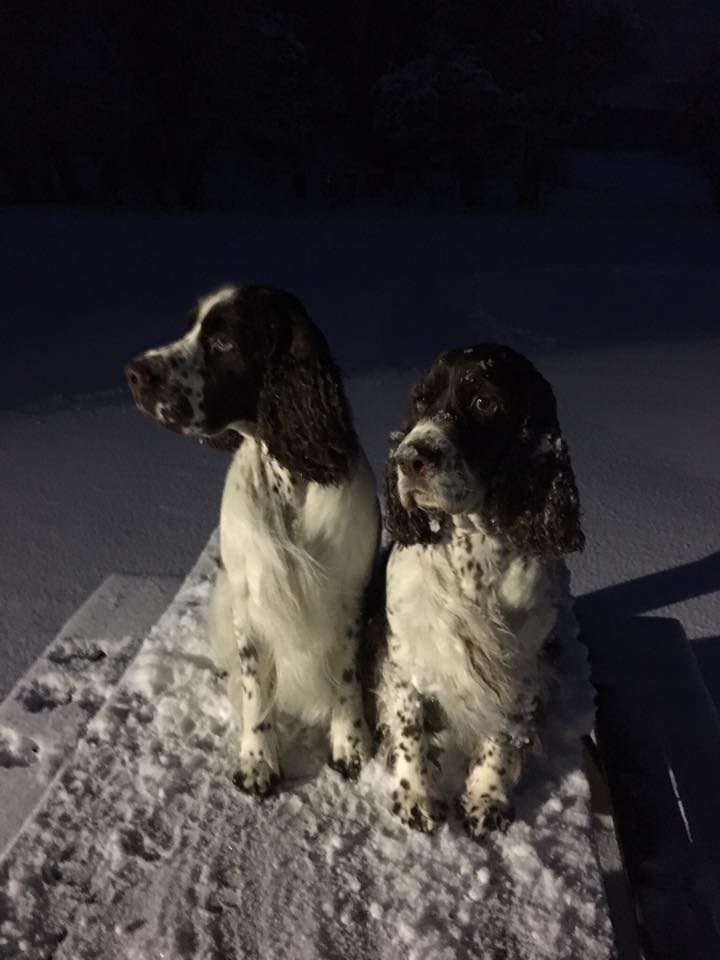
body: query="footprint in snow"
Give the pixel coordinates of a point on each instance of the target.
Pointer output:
(16, 750)
(45, 694)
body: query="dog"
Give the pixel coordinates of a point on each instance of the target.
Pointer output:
(481, 504)
(299, 519)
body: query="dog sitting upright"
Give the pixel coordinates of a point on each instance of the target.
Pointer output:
(481, 504)
(299, 518)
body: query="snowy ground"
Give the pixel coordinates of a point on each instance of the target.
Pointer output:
(143, 847)
(617, 304)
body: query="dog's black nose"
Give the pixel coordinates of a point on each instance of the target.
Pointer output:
(415, 460)
(143, 373)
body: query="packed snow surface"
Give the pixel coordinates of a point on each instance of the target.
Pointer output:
(142, 847)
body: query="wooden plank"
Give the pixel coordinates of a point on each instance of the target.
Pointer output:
(659, 742)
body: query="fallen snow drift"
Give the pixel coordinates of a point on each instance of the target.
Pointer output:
(48, 710)
(142, 847)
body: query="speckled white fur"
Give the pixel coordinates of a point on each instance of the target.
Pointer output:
(467, 621)
(285, 615)
(452, 483)
(187, 354)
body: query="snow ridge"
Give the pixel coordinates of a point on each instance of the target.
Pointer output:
(142, 847)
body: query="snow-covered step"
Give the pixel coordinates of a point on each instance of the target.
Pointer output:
(142, 847)
(49, 708)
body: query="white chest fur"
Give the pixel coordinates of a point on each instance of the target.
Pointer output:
(467, 620)
(298, 556)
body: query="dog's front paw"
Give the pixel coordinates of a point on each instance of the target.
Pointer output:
(348, 767)
(350, 753)
(484, 816)
(257, 773)
(257, 777)
(416, 810)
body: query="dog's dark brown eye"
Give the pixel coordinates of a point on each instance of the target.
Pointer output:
(220, 344)
(484, 406)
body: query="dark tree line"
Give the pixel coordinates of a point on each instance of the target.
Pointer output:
(109, 102)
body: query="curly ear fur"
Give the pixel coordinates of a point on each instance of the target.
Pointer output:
(533, 498)
(406, 526)
(303, 412)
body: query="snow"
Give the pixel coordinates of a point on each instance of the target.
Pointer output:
(86, 492)
(50, 706)
(142, 846)
(619, 310)
(15, 749)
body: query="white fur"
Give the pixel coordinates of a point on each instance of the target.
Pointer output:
(205, 304)
(188, 376)
(297, 559)
(435, 612)
(188, 353)
(467, 622)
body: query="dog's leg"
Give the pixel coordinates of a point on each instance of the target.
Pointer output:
(486, 805)
(402, 716)
(259, 770)
(350, 745)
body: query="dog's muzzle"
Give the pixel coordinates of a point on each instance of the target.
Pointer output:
(145, 376)
(417, 460)
(148, 381)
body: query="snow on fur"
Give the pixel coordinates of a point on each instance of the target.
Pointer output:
(142, 847)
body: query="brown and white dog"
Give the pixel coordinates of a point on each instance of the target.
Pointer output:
(481, 505)
(299, 518)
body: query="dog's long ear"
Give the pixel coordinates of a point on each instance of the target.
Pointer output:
(303, 412)
(405, 526)
(533, 498)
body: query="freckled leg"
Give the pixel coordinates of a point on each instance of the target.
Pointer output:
(259, 769)
(349, 737)
(402, 715)
(486, 805)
